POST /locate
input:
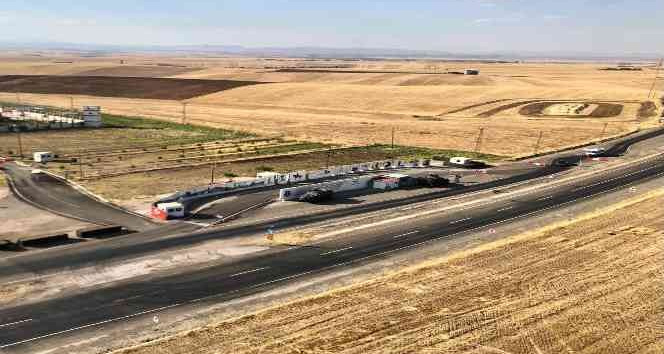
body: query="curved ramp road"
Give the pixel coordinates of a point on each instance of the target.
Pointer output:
(58, 197)
(27, 324)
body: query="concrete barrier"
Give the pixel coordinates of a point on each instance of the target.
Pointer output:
(41, 240)
(101, 231)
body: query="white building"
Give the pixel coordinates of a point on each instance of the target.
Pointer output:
(92, 116)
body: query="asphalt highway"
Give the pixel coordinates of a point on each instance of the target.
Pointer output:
(23, 325)
(171, 237)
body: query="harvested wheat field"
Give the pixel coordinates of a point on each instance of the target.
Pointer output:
(592, 286)
(360, 102)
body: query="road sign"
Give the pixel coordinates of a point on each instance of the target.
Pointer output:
(155, 319)
(492, 231)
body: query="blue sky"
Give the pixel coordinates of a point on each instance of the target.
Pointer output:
(607, 26)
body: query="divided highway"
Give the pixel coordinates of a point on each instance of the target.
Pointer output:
(26, 324)
(171, 237)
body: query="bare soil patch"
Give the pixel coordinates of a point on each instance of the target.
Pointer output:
(593, 286)
(648, 109)
(603, 110)
(129, 87)
(494, 111)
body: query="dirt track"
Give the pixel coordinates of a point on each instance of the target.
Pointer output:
(129, 87)
(590, 287)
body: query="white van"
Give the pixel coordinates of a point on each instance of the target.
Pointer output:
(43, 156)
(173, 210)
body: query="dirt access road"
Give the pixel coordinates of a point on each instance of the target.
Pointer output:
(592, 286)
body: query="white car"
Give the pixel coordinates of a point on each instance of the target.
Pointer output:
(594, 151)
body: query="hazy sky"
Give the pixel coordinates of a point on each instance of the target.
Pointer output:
(604, 26)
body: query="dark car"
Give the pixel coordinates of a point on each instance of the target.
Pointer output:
(566, 163)
(316, 196)
(432, 181)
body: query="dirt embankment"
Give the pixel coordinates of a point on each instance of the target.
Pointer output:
(593, 286)
(107, 86)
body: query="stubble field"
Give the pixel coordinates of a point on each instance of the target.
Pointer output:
(592, 286)
(359, 102)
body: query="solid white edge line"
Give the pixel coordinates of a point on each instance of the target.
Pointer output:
(88, 326)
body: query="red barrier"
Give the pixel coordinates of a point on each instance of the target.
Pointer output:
(158, 213)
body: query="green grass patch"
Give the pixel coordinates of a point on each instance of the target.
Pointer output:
(203, 132)
(415, 153)
(290, 148)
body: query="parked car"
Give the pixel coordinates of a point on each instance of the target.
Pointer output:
(432, 181)
(316, 196)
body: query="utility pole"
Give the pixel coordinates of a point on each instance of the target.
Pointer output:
(80, 164)
(606, 125)
(71, 102)
(539, 141)
(184, 112)
(478, 142)
(20, 143)
(329, 155)
(653, 92)
(214, 167)
(393, 128)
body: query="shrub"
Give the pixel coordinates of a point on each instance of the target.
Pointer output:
(264, 168)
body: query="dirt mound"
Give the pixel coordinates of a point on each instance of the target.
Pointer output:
(138, 71)
(127, 87)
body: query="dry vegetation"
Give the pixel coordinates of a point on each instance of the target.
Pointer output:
(358, 102)
(593, 286)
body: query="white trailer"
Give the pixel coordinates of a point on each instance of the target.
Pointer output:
(43, 156)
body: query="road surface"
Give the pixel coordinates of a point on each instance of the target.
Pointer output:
(27, 324)
(58, 197)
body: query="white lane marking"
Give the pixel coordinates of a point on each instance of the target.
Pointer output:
(197, 223)
(406, 234)
(336, 251)
(506, 208)
(546, 198)
(88, 326)
(460, 221)
(15, 323)
(248, 271)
